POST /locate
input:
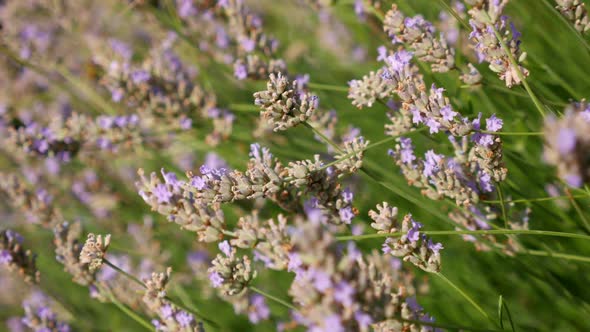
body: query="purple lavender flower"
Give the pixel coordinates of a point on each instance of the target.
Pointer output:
(321, 280)
(566, 140)
(347, 195)
(166, 311)
(186, 8)
(344, 293)
(225, 248)
(184, 319)
(216, 279)
(407, 150)
(485, 182)
(398, 61)
(435, 247)
(240, 71)
(5, 257)
(247, 44)
(448, 113)
(493, 123)
(140, 76)
(346, 214)
(433, 125)
(162, 193)
(432, 162)
(363, 319)
(414, 232)
(258, 309)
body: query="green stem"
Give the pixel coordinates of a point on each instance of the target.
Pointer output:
(502, 205)
(370, 146)
(514, 63)
(555, 255)
(578, 210)
(272, 297)
(530, 200)
(514, 133)
(467, 297)
(324, 137)
(127, 311)
(455, 15)
(480, 232)
(123, 272)
(327, 87)
(140, 283)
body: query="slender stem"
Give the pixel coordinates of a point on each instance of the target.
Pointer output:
(578, 210)
(514, 63)
(123, 272)
(327, 87)
(480, 232)
(243, 107)
(466, 296)
(370, 146)
(502, 204)
(140, 283)
(455, 14)
(513, 133)
(324, 137)
(556, 255)
(272, 297)
(541, 199)
(127, 311)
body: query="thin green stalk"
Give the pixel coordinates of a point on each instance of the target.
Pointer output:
(556, 255)
(578, 210)
(127, 311)
(467, 297)
(140, 283)
(327, 87)
(455, 15)
(272, 297)
(514, 63)
(324, 137)
(370, 146)
(514, 133)
(480, 232)
(529, 200)
(123, 272)
(502, 205)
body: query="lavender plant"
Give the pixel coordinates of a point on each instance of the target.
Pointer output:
(140, 137)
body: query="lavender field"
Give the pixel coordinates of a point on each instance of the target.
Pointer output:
(294, 165)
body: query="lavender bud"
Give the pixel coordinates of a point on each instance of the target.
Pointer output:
(94, 250)
(283, 105)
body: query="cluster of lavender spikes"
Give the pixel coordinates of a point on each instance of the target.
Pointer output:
(488, 25)
(419, 35)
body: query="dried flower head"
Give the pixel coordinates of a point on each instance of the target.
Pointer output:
(284, 104)
(94, 250)
(229, 272)
(411, 246)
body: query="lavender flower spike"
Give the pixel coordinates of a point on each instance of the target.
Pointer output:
(283, 105)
